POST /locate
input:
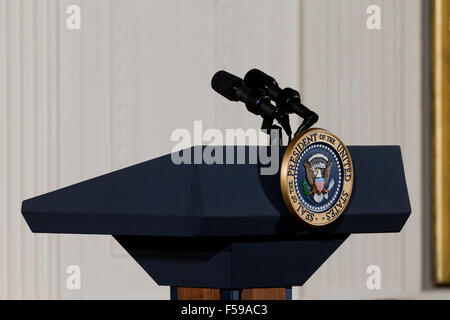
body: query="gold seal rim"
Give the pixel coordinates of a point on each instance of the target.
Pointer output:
(284, 178)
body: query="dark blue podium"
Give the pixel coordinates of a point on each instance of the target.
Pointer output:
(221, 226)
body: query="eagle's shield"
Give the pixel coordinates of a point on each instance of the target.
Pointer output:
(320, 184)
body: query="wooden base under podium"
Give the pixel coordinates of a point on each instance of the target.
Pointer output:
(182, 293)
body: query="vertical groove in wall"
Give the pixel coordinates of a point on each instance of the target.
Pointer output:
(351, 134)
(381, 250)
(56, 256)
(223, 43)
(359, 54)
(267, 28)
(345, 115)
(28, 149)
(386, 24)
(40, 158)
(44, 143)
(401, 72)
(120, 106)
(14, 151)
(21, 267)
(334, 62)
(398, 53)
(297, 293)
(82, 127)
(340, 106)
(365, 118)
(35, 188)
(370, 118)
(327, 76)
(45, 252)
(4, 194)
(391, 242)
(400, 102)
(120, 84)
(215, 59)
(7, 146)
(48, 72)
(53, 141)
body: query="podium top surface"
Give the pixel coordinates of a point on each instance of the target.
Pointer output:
(159, 198)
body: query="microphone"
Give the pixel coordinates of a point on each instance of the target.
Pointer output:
(286, 99)
(257, 102)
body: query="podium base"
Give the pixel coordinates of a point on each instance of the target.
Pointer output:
(183, 293)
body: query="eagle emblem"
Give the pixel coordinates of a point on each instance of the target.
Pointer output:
(318, 168)
(316, 179)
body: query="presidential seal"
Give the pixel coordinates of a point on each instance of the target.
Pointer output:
(316, 177)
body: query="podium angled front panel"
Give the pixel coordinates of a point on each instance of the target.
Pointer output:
(159, 198)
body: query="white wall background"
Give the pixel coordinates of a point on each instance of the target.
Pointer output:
(77, 104)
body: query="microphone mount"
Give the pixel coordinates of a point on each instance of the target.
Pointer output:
(256, 101)
(286, 99)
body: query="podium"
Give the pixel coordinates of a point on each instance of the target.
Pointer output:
(222, 229)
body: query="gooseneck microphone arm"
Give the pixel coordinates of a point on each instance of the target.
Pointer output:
(286, 99)
(257, 102)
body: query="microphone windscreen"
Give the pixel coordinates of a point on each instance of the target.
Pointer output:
(256, 79)
(225, 84)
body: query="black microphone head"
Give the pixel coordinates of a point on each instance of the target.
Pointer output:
(256, 79)
(225, 84)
